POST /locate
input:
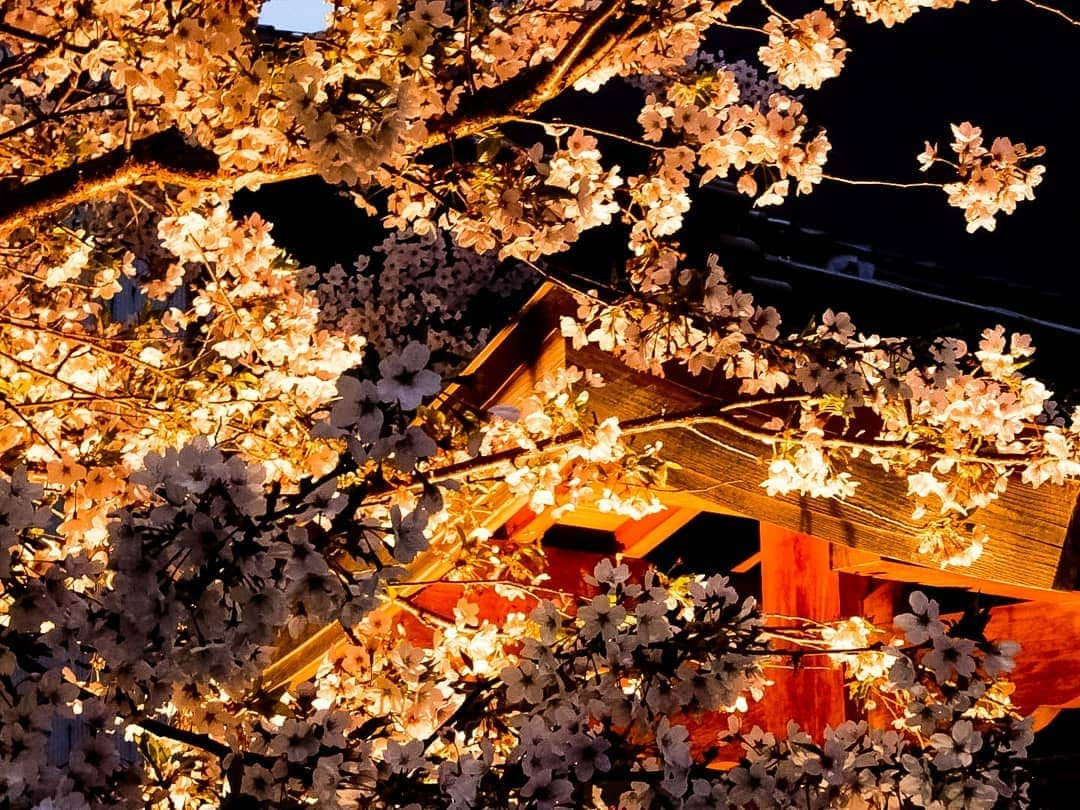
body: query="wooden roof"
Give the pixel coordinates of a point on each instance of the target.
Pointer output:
(1033, 532)
(1031, 556)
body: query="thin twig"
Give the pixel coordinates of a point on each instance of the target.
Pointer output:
(735, 27)
(591, 130)
(468, 47)
(773, 11)
(487, 583)
(33, 428)
(129, 127)
(884, 183)
(30, 36)
(1052, 10)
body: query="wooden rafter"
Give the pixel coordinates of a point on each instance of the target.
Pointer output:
(865, 564)
(637, 538)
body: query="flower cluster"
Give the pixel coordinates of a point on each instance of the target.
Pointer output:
(704, 114)
(955, 424)
(241, 360)
(217, 460)
(803, 52)
(516, 201)
(597, 467)
(414, 287)
(458, 712)
(889, 12)
(802, 464)
(991, 181)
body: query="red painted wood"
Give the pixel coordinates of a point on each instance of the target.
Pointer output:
(797, 580)
(566, 570)
(1048, 667)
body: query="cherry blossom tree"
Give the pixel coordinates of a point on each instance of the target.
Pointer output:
(249, 449)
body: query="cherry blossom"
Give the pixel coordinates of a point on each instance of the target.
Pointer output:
(211, 454)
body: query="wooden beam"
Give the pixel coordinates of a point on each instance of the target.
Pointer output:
(1048, 667)
(1047, 629)
(525, 525)
(1033, 535)
(516, 357)
(863, 563)
(584, 516)
(1035, 540)
(637, 538)
(748, 564)
(796, 578)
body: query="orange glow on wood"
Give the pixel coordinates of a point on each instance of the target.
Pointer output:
(797, 580)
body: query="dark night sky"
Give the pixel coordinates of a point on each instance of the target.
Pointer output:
(1004, 66)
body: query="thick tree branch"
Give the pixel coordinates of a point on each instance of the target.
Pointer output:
(579, 44)
(30, 36)
(161, 158)
(166, 158)
(535, 86)
(191, 738)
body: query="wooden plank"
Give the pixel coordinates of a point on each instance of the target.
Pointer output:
(748, 564)
(302, 661)
(519, 355)
(1048, 665)
(1048, 629)
(1031, 535)
(584, 516)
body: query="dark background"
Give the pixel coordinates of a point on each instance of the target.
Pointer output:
(1004, 66)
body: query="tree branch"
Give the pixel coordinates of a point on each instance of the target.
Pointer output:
(191, 738)
(156, 727)
(564, 64)
(697, 418)
(164, 157)
(1056, 11)
(533, 87)
(30, 36)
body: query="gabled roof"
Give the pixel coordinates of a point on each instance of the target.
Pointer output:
(1033, 546)
(1032, 555)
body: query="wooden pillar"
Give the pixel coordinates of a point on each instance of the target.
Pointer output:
(797, 580)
